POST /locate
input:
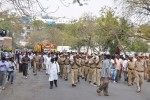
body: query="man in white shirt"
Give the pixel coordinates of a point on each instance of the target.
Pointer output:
(124, 68)
(3, 73)
(118, 62)
(48, 62)
(20, 61)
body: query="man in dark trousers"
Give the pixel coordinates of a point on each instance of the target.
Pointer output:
(25, 61)
(105, 76)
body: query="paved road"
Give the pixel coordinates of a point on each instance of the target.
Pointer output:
(37, 88)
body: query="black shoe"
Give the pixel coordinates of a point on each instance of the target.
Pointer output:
(73, 85)
(129, 84)
(11, 82)
(98, 91)
(35, 74)
(55, 82)
(85, 79)
(51, 87)
(51, 84)
(106, 94)
(66, 79)
(89, 81)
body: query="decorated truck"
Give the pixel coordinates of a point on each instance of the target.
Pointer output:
(45, 46)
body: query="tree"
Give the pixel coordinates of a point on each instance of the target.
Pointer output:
(139, 45)
(48, 32)
(145, 30)
(140, 8)
(82, 31)
(12, 25)
(33, 7)
(110, 36)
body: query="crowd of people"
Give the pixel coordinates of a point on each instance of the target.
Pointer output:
(7, 69)
(96, 69)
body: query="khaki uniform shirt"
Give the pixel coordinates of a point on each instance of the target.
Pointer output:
(66, 61)
(78, 62)
(139, 66)
(131, 65)
(100, 65)
(83, 62)
(36, 58)
(87, 62)
(73, 64)
(91, 63)
(148, 63)
(61, 60)
(96, 62)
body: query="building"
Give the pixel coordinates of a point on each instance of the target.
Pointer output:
(6, 43)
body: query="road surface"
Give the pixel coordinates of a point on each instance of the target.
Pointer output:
(37, 88)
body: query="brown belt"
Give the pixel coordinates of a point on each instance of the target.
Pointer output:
(92, 67)
(74, 68)
(98, 68)
(139, 71)
(130, 69)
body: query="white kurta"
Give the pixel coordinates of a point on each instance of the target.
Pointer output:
(47, 62)
(53, 71)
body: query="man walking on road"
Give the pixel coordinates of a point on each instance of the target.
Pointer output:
(139, 73)
(36, 63)
(3, 73)
(25, 61)
(105, 75)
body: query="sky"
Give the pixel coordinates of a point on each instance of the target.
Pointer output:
(74, 10)
(71, 11)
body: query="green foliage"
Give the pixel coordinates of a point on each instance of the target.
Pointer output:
(145, 30)
(139, 45)
(8, 50)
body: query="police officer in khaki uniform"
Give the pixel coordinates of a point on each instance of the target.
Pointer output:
(74, 72)
(131, 71)
(86, 69)
(61, 64)
(66, 67)
(148, 68)
(36, 63)
(139, 72)
(92, 71)
(99, 65)
(83, 66)
(78, 63)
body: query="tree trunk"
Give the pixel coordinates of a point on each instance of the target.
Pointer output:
(120, 44)
(89, 43)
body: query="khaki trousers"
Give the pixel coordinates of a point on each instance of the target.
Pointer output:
(41, 67)
(74, 73)
(92, 75)
(131, 76)
(148, 73)
(86, 72)
(98, 76)
(61, 70)
(104, 86)
(36, 66)
(65, 71)
(82, 71)
(139, 79)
